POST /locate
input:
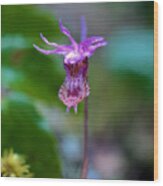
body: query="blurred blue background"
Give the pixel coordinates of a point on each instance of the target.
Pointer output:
(34, 121)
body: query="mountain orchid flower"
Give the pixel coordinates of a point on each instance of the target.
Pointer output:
(75, 87)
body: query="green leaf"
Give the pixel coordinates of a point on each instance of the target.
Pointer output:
(27, 21)
(41, 75)
(23, 131)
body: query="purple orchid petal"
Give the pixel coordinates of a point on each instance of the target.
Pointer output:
(65, 31)
(47, 52)
(92, 49)
(91, 44)
(93, 40)
(60, 48)
(99, 44)
(47, 42)
(83, 28)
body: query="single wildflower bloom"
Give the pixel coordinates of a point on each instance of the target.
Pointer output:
(75, 87)
(14, 165)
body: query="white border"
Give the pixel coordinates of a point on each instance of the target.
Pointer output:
(62, 1)
(64, 182)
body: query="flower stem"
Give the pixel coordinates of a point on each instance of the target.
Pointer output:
(85, 158)
(84, 170)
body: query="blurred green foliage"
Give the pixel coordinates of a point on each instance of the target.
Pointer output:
(27, 21)
(28, 77)
(22, 131)
(38, 74)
